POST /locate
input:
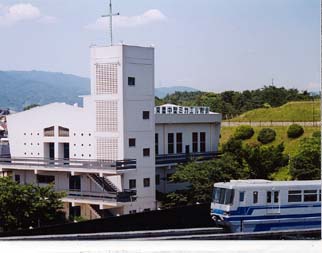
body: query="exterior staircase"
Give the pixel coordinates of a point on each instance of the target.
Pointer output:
(103, 213)
(103, 183)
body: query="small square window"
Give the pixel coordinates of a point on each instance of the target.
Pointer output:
(146, 182)
(131, 81)
(146, 152)
(132, 142)
(132, 183)
(146, 114)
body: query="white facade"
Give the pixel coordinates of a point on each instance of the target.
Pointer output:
(104, 154)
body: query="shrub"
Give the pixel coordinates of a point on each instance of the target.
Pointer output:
(295, 131)
(244, 132)
(316, 134)
(266, 135)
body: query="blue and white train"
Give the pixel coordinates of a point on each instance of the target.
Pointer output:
(263, 205)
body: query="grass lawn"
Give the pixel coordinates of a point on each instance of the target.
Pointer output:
(291, 145)
(292, 111)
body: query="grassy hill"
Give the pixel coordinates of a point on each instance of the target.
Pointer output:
(292, 111)
(291, 145)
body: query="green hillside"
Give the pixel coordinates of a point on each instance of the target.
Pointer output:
(292, 111)
(291, 145)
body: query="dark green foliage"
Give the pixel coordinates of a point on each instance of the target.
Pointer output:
(295, 131)
(263, 161)
(201, 177)
(306, 164)
(266, 135)
(244, 132)
(22, 206)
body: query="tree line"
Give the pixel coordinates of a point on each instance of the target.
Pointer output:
(233, 103)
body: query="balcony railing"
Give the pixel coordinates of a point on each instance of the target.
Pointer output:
(71, 163)
(125, 196)
(183, 158)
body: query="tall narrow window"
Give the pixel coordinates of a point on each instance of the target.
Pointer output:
(170, 143)
(202, 142)
(146, 182)
(255, 197)
(276, 197)
(268, 197)
(194, 142)
(74, 183)
(132, 183)
(156, 144)
(157, 179)
(179, 143)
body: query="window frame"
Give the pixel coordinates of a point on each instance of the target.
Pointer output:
(131, 144)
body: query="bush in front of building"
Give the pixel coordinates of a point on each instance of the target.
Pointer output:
(244, 132)
(294, 131)
(266, 135)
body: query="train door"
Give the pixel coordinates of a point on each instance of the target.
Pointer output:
(273, 205)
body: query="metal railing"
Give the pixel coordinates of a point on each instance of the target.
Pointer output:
(185, 157)
(124, 196)
(71, 163)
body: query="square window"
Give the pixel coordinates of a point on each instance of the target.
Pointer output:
(131, 81)
(146, 182)
(132, 142)
(146, 152)
(146, 114)
(132, 183)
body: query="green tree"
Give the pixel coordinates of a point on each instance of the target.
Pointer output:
(263, 161)
(306, 164)
(244, 132)
(201, 177)
(22, 206)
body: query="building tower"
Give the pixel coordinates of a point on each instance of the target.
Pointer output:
(122, 88)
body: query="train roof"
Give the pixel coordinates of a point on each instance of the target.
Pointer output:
(252, 183)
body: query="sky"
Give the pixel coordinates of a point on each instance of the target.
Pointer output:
(210, 45)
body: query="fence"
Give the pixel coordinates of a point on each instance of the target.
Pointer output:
(270, 123)
(181, 217)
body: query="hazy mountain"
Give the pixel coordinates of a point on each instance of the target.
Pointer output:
(21, 88)
(162, 92)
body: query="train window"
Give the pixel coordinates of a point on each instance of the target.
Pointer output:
(223, 196)
(276, 197)
(319, 195)
(310, 195)
(268, 197)
(255, 197)
(295, 196)
(241, 196)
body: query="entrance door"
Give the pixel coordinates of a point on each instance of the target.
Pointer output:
(273, 202)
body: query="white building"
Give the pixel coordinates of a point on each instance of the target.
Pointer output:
(104, 153)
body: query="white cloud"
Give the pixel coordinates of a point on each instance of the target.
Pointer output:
(10, 15)
(150, 16)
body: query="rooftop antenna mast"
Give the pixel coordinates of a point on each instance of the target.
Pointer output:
(110, 15)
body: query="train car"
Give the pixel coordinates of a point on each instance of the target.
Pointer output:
(263, 205)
